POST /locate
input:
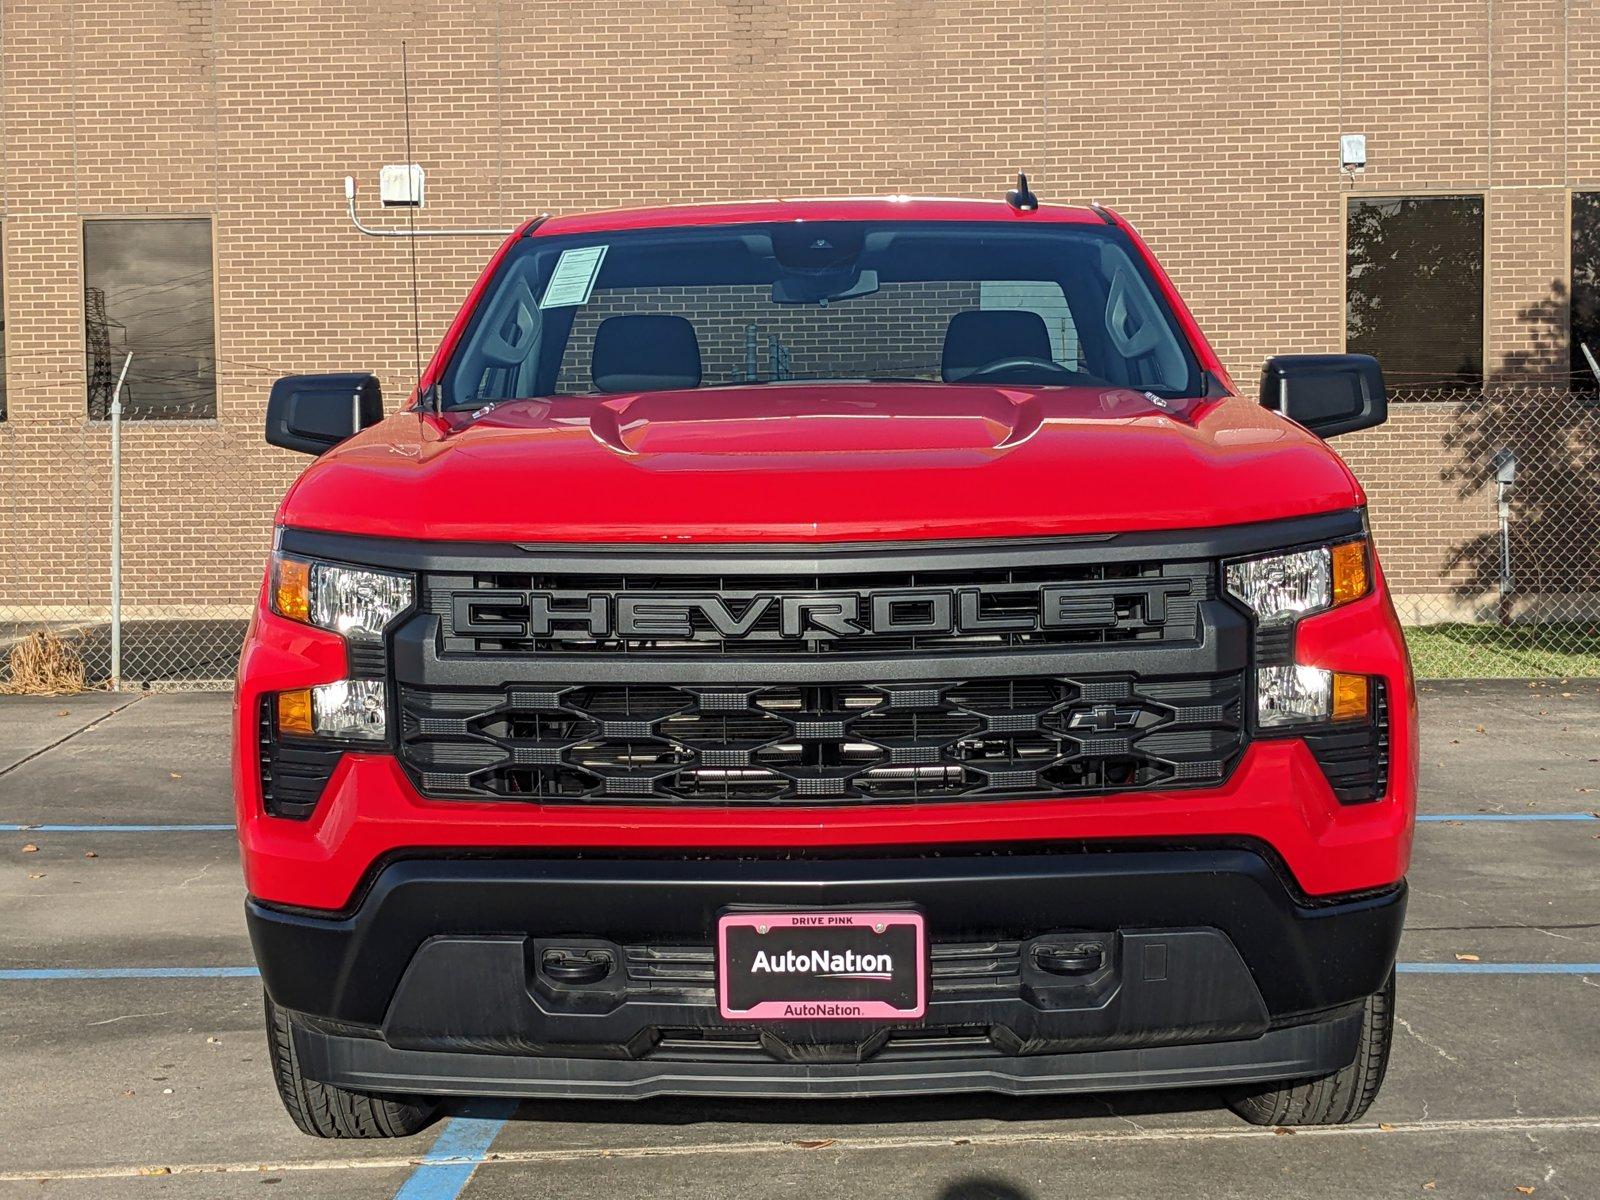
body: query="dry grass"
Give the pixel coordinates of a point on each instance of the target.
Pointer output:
(43, 664)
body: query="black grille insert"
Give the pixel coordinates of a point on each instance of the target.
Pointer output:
(881, 612)
(957, 968)
(822, 744)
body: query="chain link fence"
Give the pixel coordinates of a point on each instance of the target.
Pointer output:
(1485, 507)
(53, 539)
(197, 498)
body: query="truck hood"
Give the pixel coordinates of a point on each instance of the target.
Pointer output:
(821, 463)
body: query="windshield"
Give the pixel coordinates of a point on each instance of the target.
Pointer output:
(709, 306)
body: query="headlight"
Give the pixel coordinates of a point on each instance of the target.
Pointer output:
(1296, 695)
(1292, 695)
(354, 601)
(1282, 587)
(352, 709)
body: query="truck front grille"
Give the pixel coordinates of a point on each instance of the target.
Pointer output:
(822, 744)
(972, 608)
(858, 673)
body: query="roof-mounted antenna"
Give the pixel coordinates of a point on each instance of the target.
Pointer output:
(1020, 198)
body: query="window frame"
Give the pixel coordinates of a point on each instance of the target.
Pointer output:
(1576, 381)
(1484, 195)
(1148, 271)
(210, 217)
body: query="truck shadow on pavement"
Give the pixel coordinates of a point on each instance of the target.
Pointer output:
(982, 1187)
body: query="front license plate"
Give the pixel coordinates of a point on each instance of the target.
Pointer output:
(811, 966)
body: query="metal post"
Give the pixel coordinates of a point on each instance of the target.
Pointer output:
(778, 357)
(1505, 478)
(116, 527)
(1505, 559)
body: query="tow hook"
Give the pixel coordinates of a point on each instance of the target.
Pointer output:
(574, 967)
(1079, 958)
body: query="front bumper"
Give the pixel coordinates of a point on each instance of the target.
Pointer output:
(1215, 970)
(371, 809)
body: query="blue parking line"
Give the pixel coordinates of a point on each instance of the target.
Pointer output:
(17, 974)
(1560, 816)
(463, 1144)
(116, 828)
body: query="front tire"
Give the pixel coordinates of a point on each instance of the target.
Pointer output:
(1335, 1099)
(323, 1110)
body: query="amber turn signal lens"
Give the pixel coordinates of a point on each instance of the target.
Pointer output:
(1350, 693)
(1350, 580)
(294, 712)
(291, 588)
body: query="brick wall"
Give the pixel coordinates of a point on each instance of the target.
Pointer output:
(1212, 125)
(823, 343)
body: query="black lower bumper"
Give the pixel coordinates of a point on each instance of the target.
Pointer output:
(1211, 971)
(1293, 1053)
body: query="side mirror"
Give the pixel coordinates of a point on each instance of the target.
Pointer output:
(314, 413)
(1327, 393)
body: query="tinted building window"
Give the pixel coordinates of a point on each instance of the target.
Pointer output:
(1585, 287)
(148, 290)
(1414, 289)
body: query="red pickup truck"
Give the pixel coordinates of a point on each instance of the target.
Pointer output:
(825, 648)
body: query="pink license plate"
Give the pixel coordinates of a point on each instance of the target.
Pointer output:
(822, 966)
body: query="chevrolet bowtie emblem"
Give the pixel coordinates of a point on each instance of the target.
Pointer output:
(1103, 718)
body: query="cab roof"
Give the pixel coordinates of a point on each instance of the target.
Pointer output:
(845, 208)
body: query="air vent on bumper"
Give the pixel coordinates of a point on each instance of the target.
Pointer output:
(294, 771)
(1355, 758)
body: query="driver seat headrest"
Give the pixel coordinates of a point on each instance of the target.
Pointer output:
(981, 336)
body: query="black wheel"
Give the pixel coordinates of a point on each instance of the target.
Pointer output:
(323, 1110)
(1335, 1099)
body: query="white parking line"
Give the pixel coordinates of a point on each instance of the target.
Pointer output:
(1517, 1125)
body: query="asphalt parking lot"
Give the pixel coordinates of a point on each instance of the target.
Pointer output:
(133, 1059)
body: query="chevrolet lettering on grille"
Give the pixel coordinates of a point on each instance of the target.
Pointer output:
(650, 615)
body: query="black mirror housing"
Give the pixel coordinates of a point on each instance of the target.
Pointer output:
(1327, 393)
(314, 413)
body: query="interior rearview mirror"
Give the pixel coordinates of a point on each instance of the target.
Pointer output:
(314, 413)
(820, 287)
(1327, 393)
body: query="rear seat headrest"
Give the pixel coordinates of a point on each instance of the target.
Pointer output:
(645, 352)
